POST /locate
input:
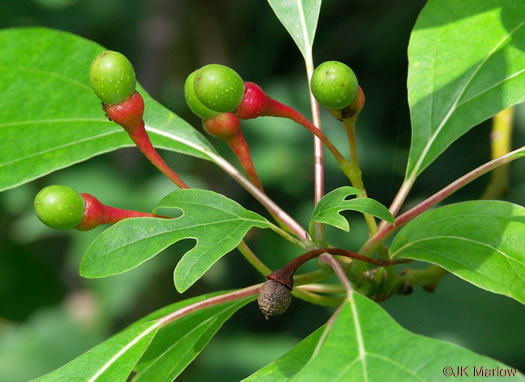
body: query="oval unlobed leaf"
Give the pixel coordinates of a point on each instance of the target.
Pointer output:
(179, 343)
(153, 351)
(299, 17)
(466, 63)
(216, 223)
(329, 207)
(112, 360)
(363, 343)
(483, 242)
(49, 116)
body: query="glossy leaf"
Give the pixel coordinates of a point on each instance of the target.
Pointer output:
(180, 342)
(329, 207)
(483, 242)
(363, 343)
(49, 116)
(466, 63)
(299, 17)
(110, 361)
(216, 223)
(174, 346)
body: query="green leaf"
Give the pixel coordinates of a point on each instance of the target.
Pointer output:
(466, 63)
(483, 242)
(154, 351)
(216, 223)
(329, 207)
(363, 343)
(299, 17)
(49, 116)
(180, 342)
(110, 361)
(289, 364)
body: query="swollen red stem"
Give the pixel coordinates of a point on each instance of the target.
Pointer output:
(285, 274)
(276, 109)
(141, 139)
(256, 103)
(96, 213)
(225, 127)
(128, 114)
(240, 148)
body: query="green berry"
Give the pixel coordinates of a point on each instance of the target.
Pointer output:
(59, 207)
(219, 88)
(334, 85)
(112, 77)
(193, 102)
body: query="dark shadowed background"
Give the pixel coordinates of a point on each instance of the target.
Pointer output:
(49, 315)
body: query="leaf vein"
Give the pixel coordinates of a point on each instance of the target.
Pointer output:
(397, 364)
(454, 105)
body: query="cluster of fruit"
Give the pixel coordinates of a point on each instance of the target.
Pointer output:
(217, 95)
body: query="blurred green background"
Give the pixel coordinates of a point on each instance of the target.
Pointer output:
(49, 315)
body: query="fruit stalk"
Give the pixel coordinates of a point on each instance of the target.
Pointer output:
(128, 114)
(240, 148)
(96, 213)
(225, 127)
(285, 274)
(276, 109)
(256, 103)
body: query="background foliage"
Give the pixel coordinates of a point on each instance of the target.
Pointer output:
(49, 315)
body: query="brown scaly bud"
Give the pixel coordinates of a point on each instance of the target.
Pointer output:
(274, 298)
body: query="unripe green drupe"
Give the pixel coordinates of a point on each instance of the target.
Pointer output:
(193, 102)
(219, 88)
(334, 85)
(59, 207)
(112, 77)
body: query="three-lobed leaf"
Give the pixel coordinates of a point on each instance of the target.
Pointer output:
(216, 223)
(466, 63)
(363, 343)
(299, 17)
(329, 207)
(49, 116)
(483, 242)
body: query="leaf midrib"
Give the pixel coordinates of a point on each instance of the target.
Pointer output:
(218, 222)
(184, 336)
(454, 105)
(451, 237)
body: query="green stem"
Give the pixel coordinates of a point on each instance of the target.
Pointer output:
(253, 259)
(426, 278)
(289, 237)
(312, 277)
(324, 288)
(313, 298)
(357, 180)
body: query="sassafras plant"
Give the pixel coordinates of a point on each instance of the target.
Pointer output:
(450, 90)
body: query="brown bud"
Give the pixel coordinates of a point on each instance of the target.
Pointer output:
(274, 298)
